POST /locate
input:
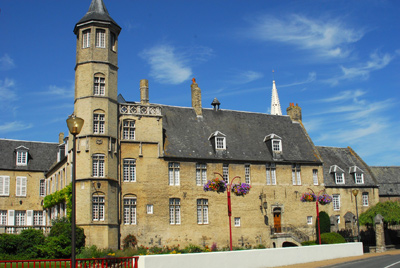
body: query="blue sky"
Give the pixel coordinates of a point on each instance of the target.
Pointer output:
(339, 60)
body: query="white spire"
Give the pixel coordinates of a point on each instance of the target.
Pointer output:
(275, 104)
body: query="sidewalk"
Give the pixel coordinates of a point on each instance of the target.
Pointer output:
(318, 264)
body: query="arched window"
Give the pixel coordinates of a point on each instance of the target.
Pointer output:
(130, 209)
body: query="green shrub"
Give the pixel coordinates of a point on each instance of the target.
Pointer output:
(325, 223)
(309, 243)
(332, 238)
(192, 249)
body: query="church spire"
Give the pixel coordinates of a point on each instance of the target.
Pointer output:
(275, 104)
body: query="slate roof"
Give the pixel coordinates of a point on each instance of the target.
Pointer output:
(187, 136)
(388, 179)
(41, 155)
(97, 12)
(344, 158)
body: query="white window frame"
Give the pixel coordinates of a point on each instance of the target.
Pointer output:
(3, 217)
(315, 176)
(309, 220)
(20, 218)
(237, 221)
(339, 178)
(113, 41)
(365, 199)
(271, 173)
(276, 145)
(100, 38)
(99, 86)
(99, 121)
(129, 170)
(21, 186)
(98, 207)
(296, 174)
(225, 172)
(130, 210)
(150, 209)
(38, 218)
(98, 165)
(128, 131)
(359, 178)
(42, 187)
(201, 174)
(4, 185)
(86, 38)
(247, 173)
(202, 211)
(336, 201)
(174, 173)
(220, 143)
(22, 158)
(174, 211)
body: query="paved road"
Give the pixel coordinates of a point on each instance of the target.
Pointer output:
(388, 259)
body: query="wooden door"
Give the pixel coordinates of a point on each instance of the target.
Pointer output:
(277, 222)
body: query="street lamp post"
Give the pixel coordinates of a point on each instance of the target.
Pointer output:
(74, 125)
(355, 193)
(228, 192)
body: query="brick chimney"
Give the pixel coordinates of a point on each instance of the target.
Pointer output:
(144, 91)
(294, 112)
(196, 98)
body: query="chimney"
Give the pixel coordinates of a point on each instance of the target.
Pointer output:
(144, 91)
(61, 138)
(215, 104)
(294, 112)
(196, 98)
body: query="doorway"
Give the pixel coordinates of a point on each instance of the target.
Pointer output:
(277, 220)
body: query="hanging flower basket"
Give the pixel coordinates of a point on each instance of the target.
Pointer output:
(308, 197)
(215, 185)
(324, 199)
(241, 189)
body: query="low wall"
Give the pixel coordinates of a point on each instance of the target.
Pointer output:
(257, 258)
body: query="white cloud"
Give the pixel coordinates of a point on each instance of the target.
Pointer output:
(6, 90)
(346, 95)
(312, 76)
(14, 126)
(6, 62)
(166, 65)
(61, 91)
(247, 77)
(326, 38)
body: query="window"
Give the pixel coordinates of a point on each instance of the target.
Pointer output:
(129, 210)
(275, 142)
(98, 207)
(4, 185)
(339, 178)
(98, 123)
(21, 186)
(129, 170)
(359, 178)
(113, 42)
(315, 176)
(202, 211)
(174, 211)
(173, 173)
(225, 172)
(20, 218)
(100, 38)
(365, 199)
(276, 145)
(220, 143)
(42, 187)
(201, 174)
(247, 173)
(309, 220)
(38, 218)
(296, 178)
(336, 202)
(128, 132)
(86, 39)
(271, 173)
(22, 158)
(237, 221)
(149, 209)
(337, 219)
(99, 88)
(3, 217)
(98, 165)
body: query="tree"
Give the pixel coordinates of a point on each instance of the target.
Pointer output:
(390, 210)
(325, 223)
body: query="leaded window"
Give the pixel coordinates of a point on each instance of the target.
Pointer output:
(129, 210)
(129, 170)
(173, 173)
(201, 174)
(202, 211)
(128, 132)
(174, 211)
(98, 165)
(98, 203)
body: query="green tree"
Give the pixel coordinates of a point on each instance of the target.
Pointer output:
(23, 246)
(325, 223)
(390, 210)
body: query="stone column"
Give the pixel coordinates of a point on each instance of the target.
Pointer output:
(380, 233)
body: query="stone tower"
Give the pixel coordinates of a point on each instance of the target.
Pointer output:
(96, 74)
(275, 104)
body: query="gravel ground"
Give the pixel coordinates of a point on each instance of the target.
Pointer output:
(335, 261)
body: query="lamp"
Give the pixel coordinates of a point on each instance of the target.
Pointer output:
(75, 125)
(355, 193)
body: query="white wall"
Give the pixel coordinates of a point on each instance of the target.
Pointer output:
(253, 258)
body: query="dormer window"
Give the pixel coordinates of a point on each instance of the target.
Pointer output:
(358, 174)
(219, 140)
(22, 156)
(276, 142)
(339, 174)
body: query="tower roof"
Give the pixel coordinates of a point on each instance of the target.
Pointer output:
(97, 12)
(275, 104)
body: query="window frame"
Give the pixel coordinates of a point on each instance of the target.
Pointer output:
(98, 165)
(21, 184)
(4, 185)
(315, 176)
(100, 38)
(129, 170)
(220, 143)
(3, 217)
(20, 218)
(22, 158)
(296, 174)
(99, 85)
(128, 131)
(86, 38)
(339, 179)
(270, 173)
(202, 211)
(42, 187)
(38, 218)
(247, 173)
(225, 172)
(99, 121)
(336, 202)
(309, 220)
(201, 174)
(150, 209)
(98, 207)
(237, 222)
(173, 173)
(174, 211)
(365, 199)
(130, 210)
(276, 145)
(357, 179)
